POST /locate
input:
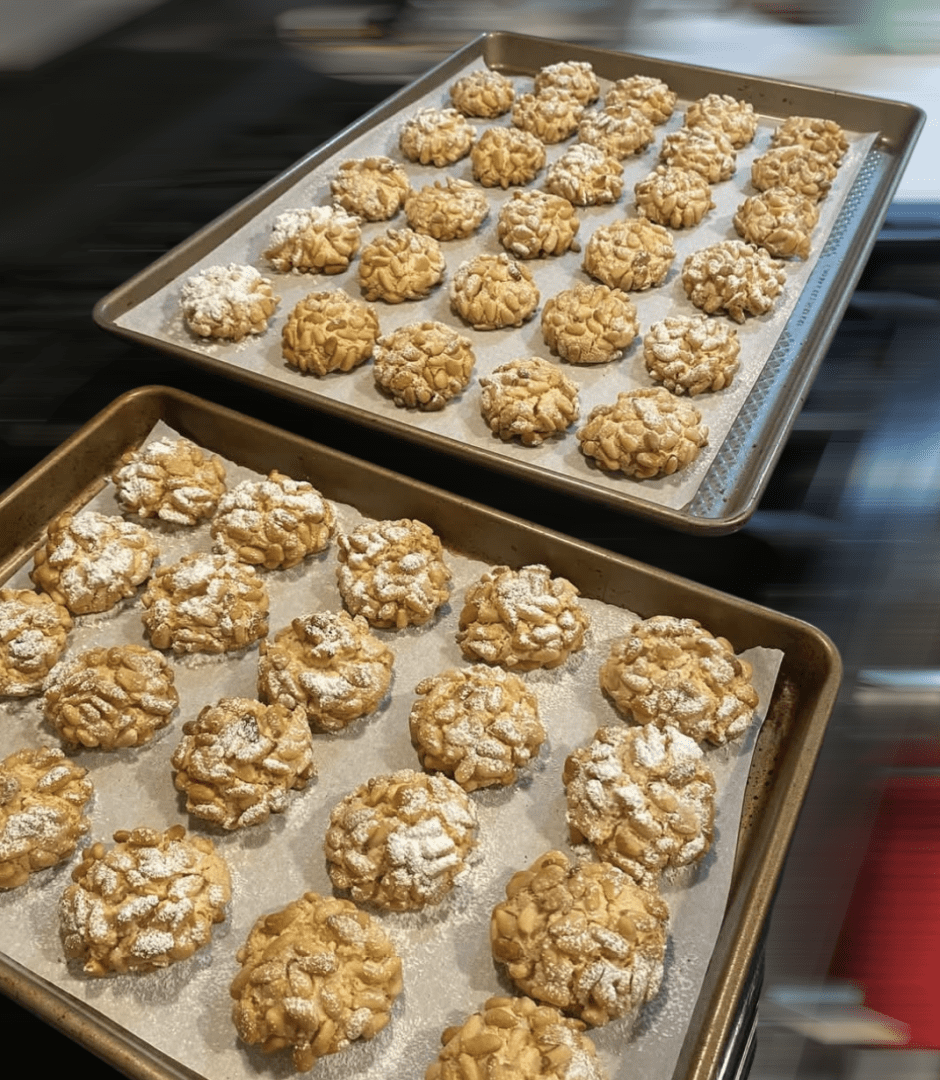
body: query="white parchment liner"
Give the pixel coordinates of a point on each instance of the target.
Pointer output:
(448, 970)
(159, 316)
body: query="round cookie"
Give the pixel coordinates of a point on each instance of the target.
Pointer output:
(678, 198)
(794, 167)
(703, 150)
(392, 572)
(91, 561)
(643, 798)
(448, 209)
(328, 663)
(238, 759)
(33, 631)
(437, 137)
(514, 1037)
(314, 977)
(650, 95)
(734, 118)
(493, 291)
(552, 115)
(503, 157)
(619, 134)
(317, 240)
(586, 175)
(521, 619)
(205, 604)
(372, 188)
(42, 802)
(534, 223)
(403, 841)
(589, 324)
(423, 365)
(733, 277)
(669, 671)
(110, 698)
(146, 903)
(778, 220)
(400, 265)
(692, 354)
(329, 331)
(227, 303)
(478, 725)
(630, 255)
(584, 938)
(646, 434)
(275, 523)
(571, 76)
(173, 480)
(823, 137)
(528, 399)
(485, 94)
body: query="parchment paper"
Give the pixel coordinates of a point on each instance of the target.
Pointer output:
(448, 970)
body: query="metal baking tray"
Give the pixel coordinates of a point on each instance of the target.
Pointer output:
(783, 757)
(734, 480)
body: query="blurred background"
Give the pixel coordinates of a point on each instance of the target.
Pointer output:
(129, 124)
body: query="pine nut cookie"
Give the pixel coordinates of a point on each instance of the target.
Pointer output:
(275, 523)
(619, 134)
(423, 365)
(645, 433)
(503, 157)
(490, 292)
(573, 76)
(552, 115)
(515, 1037)
(734, 118)
(329, 664)
(318, 240)
(677, 198)
(643, 798)
(33, 632)
(778, 220)
(823, 137)
(589, 323)
(704, 150)
(403, 841)
(173, 480)
(149, 901)
(521, 619)
(448, 209)
(794, 167)
(110, 698)
(329, 331)
(485, 94)
(533, 224)
(90, 562)
(237, 761)
(400, 265)
(372, 188)
(528, 399)
(227, 303)
(478, 725)
(669, 671)
(314, 977)
(733, 277)
(586, 175)
(692, 354)
(584, 938)
(393, 572)
(654, 98)
(43, 797)
(437, 137)
(630, 255)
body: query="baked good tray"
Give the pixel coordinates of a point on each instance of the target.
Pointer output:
(748, 421)
(773, 772)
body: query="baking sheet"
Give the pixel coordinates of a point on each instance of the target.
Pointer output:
(184, 1011)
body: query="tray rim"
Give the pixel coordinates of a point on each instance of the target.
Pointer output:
(753, 886)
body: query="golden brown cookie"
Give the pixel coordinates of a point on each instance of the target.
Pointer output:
(778, 220)
(734, 118)
(733, 277)
(392, 572)
(654, 98)
(692, 354)
(237, 761)
(589, 324)
(328, 663)
(329, 331)
(515, 1037)
(669, 671)
(372, 188)
(485, 94)
(42, 802)
(110, 698)
(205, 604)
(552, 115)
(437, 137)
(823, 137)
(619, 134)
(400, 265)
(503, 157)
(318, 240)
(423, 365)
(631, 255)
(534, 223)
(573, 76)
(478, 725)
(703, 150)
(521, 619)
(490, 292)
(528, 399)
(146, 903)
(794, 167)
(643, 798)
(316, 976)
(448, 209)
(92, 561)
(33, 631)
(672, 196)
(275, 523)
(586, 175)
(585, 938)
(227, 303)
(170, 479)
(403, 841)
